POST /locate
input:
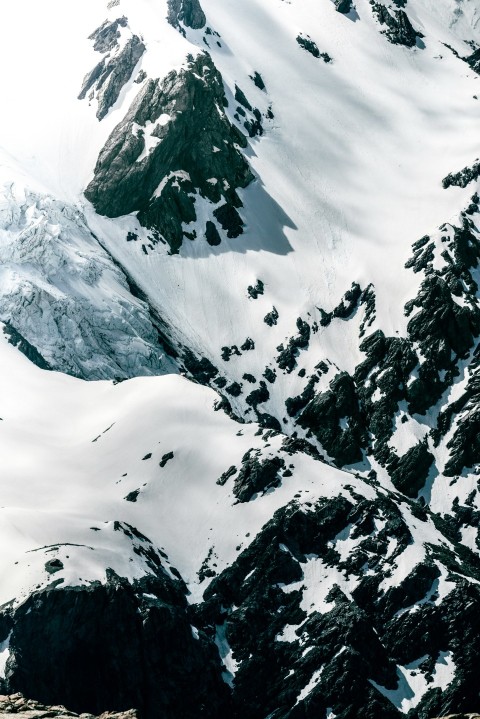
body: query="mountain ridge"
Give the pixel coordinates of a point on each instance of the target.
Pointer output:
(254, 214)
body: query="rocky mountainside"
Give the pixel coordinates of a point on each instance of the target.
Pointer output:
(239, 358)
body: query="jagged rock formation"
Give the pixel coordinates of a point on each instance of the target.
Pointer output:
(343, 6)
(360, 413)
(23, 708)
(309, 457)
(285, 616)
(78, 312)
(174, 145)
(399, 28)
(107, 79)
(186, 12)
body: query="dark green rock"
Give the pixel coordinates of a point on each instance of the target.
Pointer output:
(108, 78)
(324, 416)
(184, 160)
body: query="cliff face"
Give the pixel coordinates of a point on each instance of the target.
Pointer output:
(108, 645)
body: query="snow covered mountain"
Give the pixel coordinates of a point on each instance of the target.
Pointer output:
(265, 217)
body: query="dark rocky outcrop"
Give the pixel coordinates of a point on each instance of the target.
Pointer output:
(254, 291)
(249, 116)
(229, 219)
(113, 647)
(410, 471)
(270, 375)
(271, 318)
(343, 6)
(287, 359)
(464, 446)
(211, 234)
(334, 653)
(462, 178)
(201, 369)
(346, 307)
(106, 37)
(166, 458)
(359, 413)
(310, 46)
(234, 389)
(258, 396)
(442, 331)
(223, 479)
(353, 642)
(295, 404)
(399, 28)
(388, 365)
(24, 708)
(191, 142)
(474, 60)
(186, 12)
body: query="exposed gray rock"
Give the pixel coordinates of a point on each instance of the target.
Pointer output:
(343, 6)
(310, 46)
(357, 642)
